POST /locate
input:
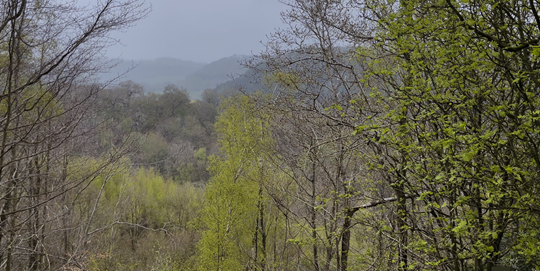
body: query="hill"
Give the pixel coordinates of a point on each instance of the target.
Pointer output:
(154, 75)
(213, 74)
(195, 77)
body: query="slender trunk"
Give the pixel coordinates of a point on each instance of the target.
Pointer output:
(14, 199)
(255, 241)
(455, 244)
(259, 230)
(9, 225)
(262, 229)
(34, 213)
(15, 60)
(333, 244)
(9, 100)
(399, 188)
(313, 219)
(314, 239)
(11, 241)
(43, 228)
(329, 255)
(401, 218)
(65, 216)
(346, 239)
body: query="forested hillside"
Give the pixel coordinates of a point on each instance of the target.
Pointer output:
(155, 74)
(194, 77)
(373, 135)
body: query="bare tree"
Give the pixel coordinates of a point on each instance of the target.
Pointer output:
(51, 52)
(314, 73)
(449, 193)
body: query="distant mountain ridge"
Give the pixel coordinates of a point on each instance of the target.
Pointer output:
(154, 75)
(215, 73)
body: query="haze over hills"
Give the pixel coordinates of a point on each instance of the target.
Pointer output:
(154, 74)
(195, 77)
(248, 82)
(215, 73)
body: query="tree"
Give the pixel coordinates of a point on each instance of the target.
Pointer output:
(460, 140)
(444, 93)
(174, 100)
(237, 217)
(50, 53)
(318, 99)
(210, 96)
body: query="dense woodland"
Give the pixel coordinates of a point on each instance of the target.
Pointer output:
(369, 135)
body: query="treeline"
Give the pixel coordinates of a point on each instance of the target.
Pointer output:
(146, 206)
(177, 131)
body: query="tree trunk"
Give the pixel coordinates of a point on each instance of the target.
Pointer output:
(346, 239)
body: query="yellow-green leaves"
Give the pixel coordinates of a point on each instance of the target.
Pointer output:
(232, 195)
(465, 124)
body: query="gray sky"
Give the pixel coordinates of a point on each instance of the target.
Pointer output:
(200, 30)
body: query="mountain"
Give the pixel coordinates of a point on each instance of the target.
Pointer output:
(195, 77)
(213, 74)
(248, 82)
(154, 75)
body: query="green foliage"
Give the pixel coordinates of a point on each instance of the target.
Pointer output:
(142, 216)
(229, 215)
(461, 89)
(155, 151)
(173, 128)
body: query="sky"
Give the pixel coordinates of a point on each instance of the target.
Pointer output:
(200, 30)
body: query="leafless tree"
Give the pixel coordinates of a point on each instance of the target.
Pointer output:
(315, 73)
(50, 54)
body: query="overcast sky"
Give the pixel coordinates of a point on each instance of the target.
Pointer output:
(200, 30)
